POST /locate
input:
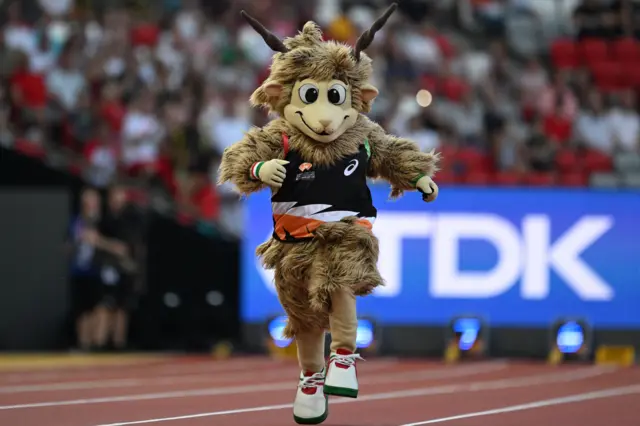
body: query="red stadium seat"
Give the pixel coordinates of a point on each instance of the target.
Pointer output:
(507, 178)
(596, 161)
(625, 50)
(540, 179)
(473, 160)
(567, 161)
(445, 177)
(607, 75)
(593, 50)
(564, 54)
(631, 74)
(477, 178)
(573, 179)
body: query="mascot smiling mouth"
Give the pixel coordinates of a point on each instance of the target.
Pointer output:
(324, 132)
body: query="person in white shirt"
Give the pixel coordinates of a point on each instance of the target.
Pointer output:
(142, 133)
(625, 123)
(592, 127)
(65, 83)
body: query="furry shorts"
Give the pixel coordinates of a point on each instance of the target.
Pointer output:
(342, 255)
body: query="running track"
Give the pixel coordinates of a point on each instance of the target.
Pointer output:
(177, 391)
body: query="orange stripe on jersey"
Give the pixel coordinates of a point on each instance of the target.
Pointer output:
(365, 223)
(288, 226)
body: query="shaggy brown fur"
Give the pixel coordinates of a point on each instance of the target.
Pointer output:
(343, 255)
(394, 159)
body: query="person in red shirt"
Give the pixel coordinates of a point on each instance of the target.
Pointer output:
(28, 92)
(557, 126)
(198, 200)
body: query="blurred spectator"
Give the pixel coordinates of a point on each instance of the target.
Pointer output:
(230, 126)
(101, 155)
(198, 200)
(593, 127)
(590, 19)
(625, 122)
(558, 93)
(119, 240)
(65, 83)
(557, 126)
(85, 272)
(28, 93)
(18, 34)
(142, 133)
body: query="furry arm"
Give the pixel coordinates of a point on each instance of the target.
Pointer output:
(399, 161)
(239, 159)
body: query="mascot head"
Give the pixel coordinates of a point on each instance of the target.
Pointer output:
(318, 86)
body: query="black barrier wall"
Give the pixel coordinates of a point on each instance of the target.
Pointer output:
(33, 271)
(189, 302)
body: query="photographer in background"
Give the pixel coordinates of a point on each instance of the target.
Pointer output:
(85, 279)
(119, 241)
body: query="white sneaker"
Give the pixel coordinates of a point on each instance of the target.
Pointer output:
(342, 377)
(311, 406)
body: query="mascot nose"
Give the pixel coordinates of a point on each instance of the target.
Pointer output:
(324, 123)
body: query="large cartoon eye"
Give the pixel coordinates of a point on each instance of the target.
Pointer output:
(337, 94)
(308, 93)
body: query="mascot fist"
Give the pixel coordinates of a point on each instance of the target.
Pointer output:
(270, 172)
(428, 188)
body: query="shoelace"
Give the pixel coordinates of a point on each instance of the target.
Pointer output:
(313, 381)
(347, 360)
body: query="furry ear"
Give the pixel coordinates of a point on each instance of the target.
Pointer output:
(312, 32)
(273, 89)
(369, 93)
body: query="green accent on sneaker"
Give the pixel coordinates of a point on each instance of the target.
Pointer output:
(314, 420)
(368, 148)
(345, 392)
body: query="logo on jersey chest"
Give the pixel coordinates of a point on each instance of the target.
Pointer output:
(351, 167)
(305, 172)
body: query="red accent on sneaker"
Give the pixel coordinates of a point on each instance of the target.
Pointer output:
(343, 352)
(309, 390)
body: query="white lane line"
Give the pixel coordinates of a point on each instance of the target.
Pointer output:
(403, 377)
(425, 391)
(580, 397)
(164, 380)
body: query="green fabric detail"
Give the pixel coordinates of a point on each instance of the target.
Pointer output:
(367, 147)
(414, 182)
(258, 169)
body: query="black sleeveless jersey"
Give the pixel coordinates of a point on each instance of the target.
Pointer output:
(312, 195)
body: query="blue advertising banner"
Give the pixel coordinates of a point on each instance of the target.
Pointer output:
(519, 257)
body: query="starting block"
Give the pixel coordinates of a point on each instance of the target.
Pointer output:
(624, 356)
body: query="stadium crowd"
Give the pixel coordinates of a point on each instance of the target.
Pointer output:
(157, 90)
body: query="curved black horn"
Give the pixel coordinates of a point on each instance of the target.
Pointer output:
(367, 37)
(272, 41)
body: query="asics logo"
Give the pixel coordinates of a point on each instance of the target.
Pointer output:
(353, 165)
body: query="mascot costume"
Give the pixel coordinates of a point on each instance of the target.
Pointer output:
(316, 158)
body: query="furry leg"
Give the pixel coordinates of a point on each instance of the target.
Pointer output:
(342, 379)
(343, 321)
(311, 350)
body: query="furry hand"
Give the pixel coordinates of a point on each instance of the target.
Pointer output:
(428, 188)
(270, 172)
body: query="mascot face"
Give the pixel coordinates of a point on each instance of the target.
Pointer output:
(319, 87)
(322, 110)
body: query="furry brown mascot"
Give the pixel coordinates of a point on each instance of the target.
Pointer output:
(316, 158)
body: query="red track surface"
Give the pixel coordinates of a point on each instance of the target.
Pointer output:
(258, 391)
